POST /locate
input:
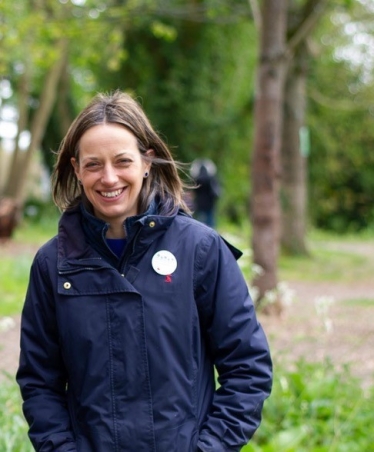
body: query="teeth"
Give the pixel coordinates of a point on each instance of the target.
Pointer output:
(111, 194)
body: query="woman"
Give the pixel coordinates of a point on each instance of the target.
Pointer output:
(133, 304)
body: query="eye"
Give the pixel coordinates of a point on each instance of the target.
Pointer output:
(92, 165)
(124, 162)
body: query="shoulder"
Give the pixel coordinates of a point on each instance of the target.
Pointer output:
(47, 253)
(198, 233)
(185, 224)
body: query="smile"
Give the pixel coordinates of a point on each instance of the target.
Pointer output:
(111, 194)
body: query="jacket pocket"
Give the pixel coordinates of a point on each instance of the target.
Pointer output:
(182, 438)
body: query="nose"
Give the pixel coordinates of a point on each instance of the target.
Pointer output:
(109, 175)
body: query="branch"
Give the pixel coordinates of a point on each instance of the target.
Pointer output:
(256, 13)
(333, 104)
(307, 25)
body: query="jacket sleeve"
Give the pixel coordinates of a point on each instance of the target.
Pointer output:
(238, 346)
(41, 374)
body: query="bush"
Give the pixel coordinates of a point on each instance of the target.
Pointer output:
(13, 428)
(315, 408)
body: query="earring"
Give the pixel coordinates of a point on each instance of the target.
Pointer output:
(146, 174)
(79, 182)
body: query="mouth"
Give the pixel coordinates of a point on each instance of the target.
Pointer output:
(111, 194)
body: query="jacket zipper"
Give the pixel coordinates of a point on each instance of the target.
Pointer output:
(130, 253)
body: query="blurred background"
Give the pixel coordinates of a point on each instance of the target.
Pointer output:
(274, 93)
(278, 94)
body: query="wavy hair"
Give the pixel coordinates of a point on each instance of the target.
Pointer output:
(120, 108)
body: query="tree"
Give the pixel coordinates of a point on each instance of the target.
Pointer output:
(36, 58)
(265, 207)
(193, 76)
(278, 161)
(302, 19)
(340, 86)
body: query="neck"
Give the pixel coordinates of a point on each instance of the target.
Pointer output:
(116, 231)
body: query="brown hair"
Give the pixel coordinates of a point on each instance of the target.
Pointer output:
(119, 108)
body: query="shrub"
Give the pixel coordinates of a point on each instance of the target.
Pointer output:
(315, 408)
(13, 428)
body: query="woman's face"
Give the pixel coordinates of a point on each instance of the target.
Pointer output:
(111, 171)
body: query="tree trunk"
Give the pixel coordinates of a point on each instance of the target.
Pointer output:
(302, 19)
(64, 111)
(9, 217)
(40, 120)
(265, 206)
(23, 98)
(294, 157)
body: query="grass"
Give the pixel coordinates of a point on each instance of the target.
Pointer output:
(331, 257)
(326, 265)
(13, 428)
(13, 282)
(15, 268)
(36, 233)
(315, 408)
(360, 302)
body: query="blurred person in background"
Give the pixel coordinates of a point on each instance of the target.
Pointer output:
(207, 191)
(133, 305)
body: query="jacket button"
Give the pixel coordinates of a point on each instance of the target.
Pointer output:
(67, 285)
(152, 224)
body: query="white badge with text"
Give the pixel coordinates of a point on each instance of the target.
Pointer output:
(164, 262)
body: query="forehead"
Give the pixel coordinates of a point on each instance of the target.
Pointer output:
(107, 138)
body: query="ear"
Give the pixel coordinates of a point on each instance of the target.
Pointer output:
(75, 164)
(150, 154)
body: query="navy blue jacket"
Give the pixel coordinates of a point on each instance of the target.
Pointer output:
(122, 359)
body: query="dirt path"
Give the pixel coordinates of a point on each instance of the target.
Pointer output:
(345, 334)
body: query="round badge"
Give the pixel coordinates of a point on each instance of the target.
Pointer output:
(164, 262)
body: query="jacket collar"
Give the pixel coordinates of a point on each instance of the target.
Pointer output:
(81, 235)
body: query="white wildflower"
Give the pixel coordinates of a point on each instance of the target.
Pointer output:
(286, 294)
(271, 296)
(257, 270)
(255, 292)
(6, 323)
(328, 325)
(322, 304)
(284, 384)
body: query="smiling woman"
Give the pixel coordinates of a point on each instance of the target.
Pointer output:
(134, 305)
(111, 170)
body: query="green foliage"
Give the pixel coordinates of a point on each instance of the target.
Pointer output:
(337, 265)
(195, 81)
(42, 213)
(13, 428)
(15, 264)
(341, 163)
(315, 407)
(14, 276)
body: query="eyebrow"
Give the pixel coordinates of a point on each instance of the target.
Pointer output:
(120, 154)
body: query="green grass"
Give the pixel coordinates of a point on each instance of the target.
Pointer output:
(15, 268)
(315, 408)
(326, 265)
(31, 233)
(13, 428)
(326, 260)
(14, 276)
(360, 302)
